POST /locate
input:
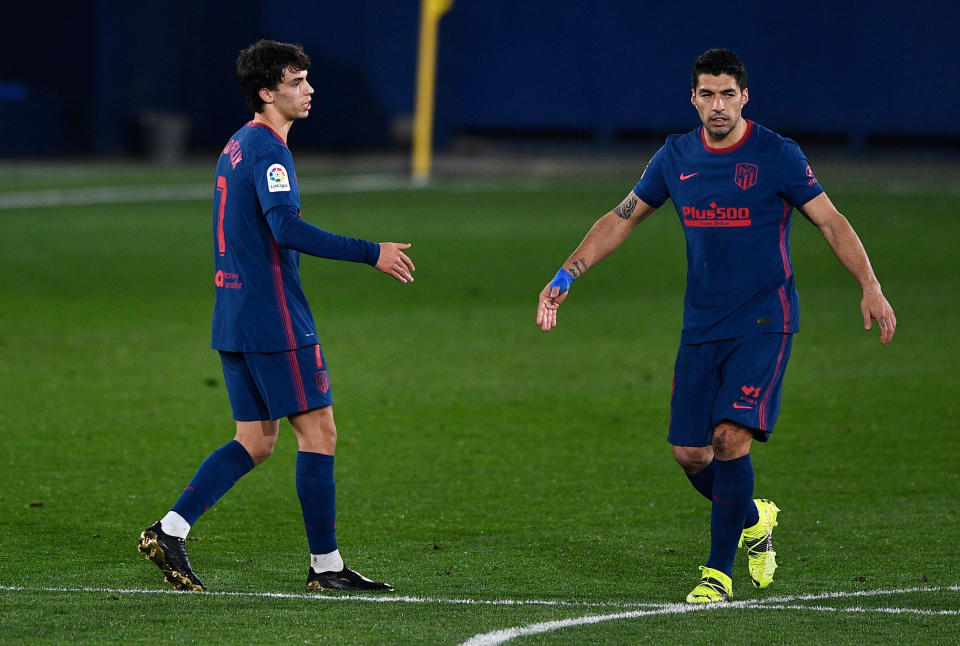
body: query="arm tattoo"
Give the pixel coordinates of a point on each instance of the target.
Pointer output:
(625, 210)
(579, 266)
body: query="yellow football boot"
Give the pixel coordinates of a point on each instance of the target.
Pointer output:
(762, 560)
(714, 587)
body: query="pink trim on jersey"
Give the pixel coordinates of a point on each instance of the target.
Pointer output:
(280, 294)
(785, 305)
(769, 389)
(787, 272)
(724, 151)
(297, 379)
(263, 125)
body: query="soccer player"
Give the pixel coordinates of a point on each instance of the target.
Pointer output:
(734, 185)
(273, 364)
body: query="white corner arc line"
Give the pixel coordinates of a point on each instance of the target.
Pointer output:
(506, 634)
(496, 637)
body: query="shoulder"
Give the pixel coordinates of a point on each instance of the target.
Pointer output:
(679, 145)
(774, 141)
(272, 159)
(267, 141)
(683, 141)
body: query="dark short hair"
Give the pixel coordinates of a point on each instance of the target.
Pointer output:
(263, 64)
(716, 62)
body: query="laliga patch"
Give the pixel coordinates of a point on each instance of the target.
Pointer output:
(277, 178)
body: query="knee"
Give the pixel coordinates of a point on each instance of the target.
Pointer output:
(330, 432)
(262, 454)
(320, 439)
(693, 458)
(327, 440)
(731, 441)
(259, 451)
(316, 431)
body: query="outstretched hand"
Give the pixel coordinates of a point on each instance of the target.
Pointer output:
(875, 306)
(394, 262)
(550, 299)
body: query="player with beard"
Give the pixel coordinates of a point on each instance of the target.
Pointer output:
(734, 185)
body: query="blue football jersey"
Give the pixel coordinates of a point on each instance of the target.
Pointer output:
(260, 304)
(735, 206)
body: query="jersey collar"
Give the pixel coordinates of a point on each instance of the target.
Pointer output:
(263, 125)
(724, 151)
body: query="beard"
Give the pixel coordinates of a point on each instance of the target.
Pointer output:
(719, 132)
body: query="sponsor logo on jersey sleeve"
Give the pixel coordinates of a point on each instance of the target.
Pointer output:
(277, 178)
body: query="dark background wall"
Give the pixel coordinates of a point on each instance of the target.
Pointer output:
(83, 78)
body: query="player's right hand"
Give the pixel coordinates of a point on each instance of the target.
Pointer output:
(550, 299)
(394, 262)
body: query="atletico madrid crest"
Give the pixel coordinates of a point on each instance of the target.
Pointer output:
(746, 175)
(323, 381)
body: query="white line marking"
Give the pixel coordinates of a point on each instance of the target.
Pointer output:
(859, 593)
(501, 636)
(487, 602)
(337, 597)
(496, 637)
(506, 634)
(857, 609)
(178, 192)
(195, 191)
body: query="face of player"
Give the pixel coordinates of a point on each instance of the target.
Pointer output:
(719, 102)
(291, 98)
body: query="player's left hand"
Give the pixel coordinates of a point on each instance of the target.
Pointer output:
(875, 306)
(394, 262)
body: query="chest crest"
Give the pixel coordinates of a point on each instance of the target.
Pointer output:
(745, 175)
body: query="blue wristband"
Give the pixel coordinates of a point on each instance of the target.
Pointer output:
(563, 280)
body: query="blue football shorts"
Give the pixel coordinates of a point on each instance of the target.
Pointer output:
(272, 385)
(739, 380)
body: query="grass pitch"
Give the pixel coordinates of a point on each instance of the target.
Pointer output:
(480, 461)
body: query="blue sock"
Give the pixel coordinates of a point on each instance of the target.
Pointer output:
(216, 475)
(732, 498)
(318, 499)
(702, 480)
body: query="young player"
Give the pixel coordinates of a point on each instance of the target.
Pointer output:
(734, 185)
(273, 364)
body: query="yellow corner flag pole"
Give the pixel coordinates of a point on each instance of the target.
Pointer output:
(430, 13)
